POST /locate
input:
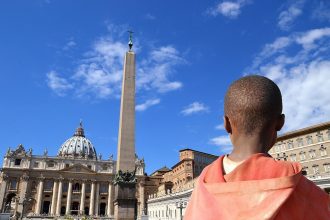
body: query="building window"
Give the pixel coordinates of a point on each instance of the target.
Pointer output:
(18, 162)
(67, 165)
(285, 157)
(312, 153)
(323, 151)
(309, 140)
(103, 188)
(300, 142)
(277, 148)
(290, 144)
(89, 166)
(282, 147)
(13, 185)
(319, 137)
(76, 187)
(302, 155)
(293, 157)
(48, 185)
(50, 164)
(316, 169)
(36, 164)
(305, 170)
(326, 167)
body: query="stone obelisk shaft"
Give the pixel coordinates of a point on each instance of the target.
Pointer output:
(126, 135)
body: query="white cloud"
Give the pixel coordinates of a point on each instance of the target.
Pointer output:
(150, 17)
(307, 39)
(301, 69)
(147, 104)
(224, 142)
(322, 12)
(230, 9)
(220, 127)
(288, 16)
(99, 73)
(195, 107)
(157, 68)
(71, 43)
(58, 84)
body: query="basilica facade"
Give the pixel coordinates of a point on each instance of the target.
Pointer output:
(75, 182)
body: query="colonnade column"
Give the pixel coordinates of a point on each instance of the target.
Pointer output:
(97, 199)
(24, 180)
(3, 191)
(68, 201)
(54, 198)
(59, 197)
(82, 198)
(110, 199)
(39, 196)
(92, 198)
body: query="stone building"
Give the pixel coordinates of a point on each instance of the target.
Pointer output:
(76, 181)
(176, 184)
(311, 148)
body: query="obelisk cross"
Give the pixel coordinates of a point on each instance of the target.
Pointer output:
(130, 42)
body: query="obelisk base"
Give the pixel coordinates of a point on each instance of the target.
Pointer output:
(125, 202)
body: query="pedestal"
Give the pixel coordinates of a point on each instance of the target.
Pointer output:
(125, 201)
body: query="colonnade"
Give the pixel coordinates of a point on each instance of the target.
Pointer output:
(57, 195)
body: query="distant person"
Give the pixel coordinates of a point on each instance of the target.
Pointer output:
(248, 183)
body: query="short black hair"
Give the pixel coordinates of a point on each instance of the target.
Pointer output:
(252, 102)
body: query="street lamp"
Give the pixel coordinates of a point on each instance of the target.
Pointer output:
(181, 205)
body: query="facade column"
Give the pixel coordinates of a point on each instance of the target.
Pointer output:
(97, 199)
(110, 200)
(54, 198)
(142, 201)
(68, 201)
(59, 197)
(39, 196)
(24, 180)
(82, 198)
(92, 198)
(3, 189)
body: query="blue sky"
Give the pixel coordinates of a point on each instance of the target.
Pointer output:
(61, 61)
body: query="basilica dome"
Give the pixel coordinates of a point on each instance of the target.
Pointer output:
(78, 146)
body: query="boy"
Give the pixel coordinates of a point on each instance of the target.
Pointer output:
(248, 183)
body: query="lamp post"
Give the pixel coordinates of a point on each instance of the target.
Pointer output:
(181, 205)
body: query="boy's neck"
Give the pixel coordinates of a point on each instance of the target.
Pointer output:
(247, 145)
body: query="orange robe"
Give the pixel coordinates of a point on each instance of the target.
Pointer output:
(259, 188)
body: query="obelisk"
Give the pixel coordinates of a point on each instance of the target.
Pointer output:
(125, 180)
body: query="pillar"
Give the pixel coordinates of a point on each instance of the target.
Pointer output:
(54, 198)
(24, 180)
(82, 198)
(97, 199)
(39, 195)
(110, 200)
(3, 189)
(92, 198)
(59, 197)
(68, 200)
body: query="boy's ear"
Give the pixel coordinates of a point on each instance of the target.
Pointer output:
(227, 125)
(280, 122)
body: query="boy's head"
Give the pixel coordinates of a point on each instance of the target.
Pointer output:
(253, 104)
